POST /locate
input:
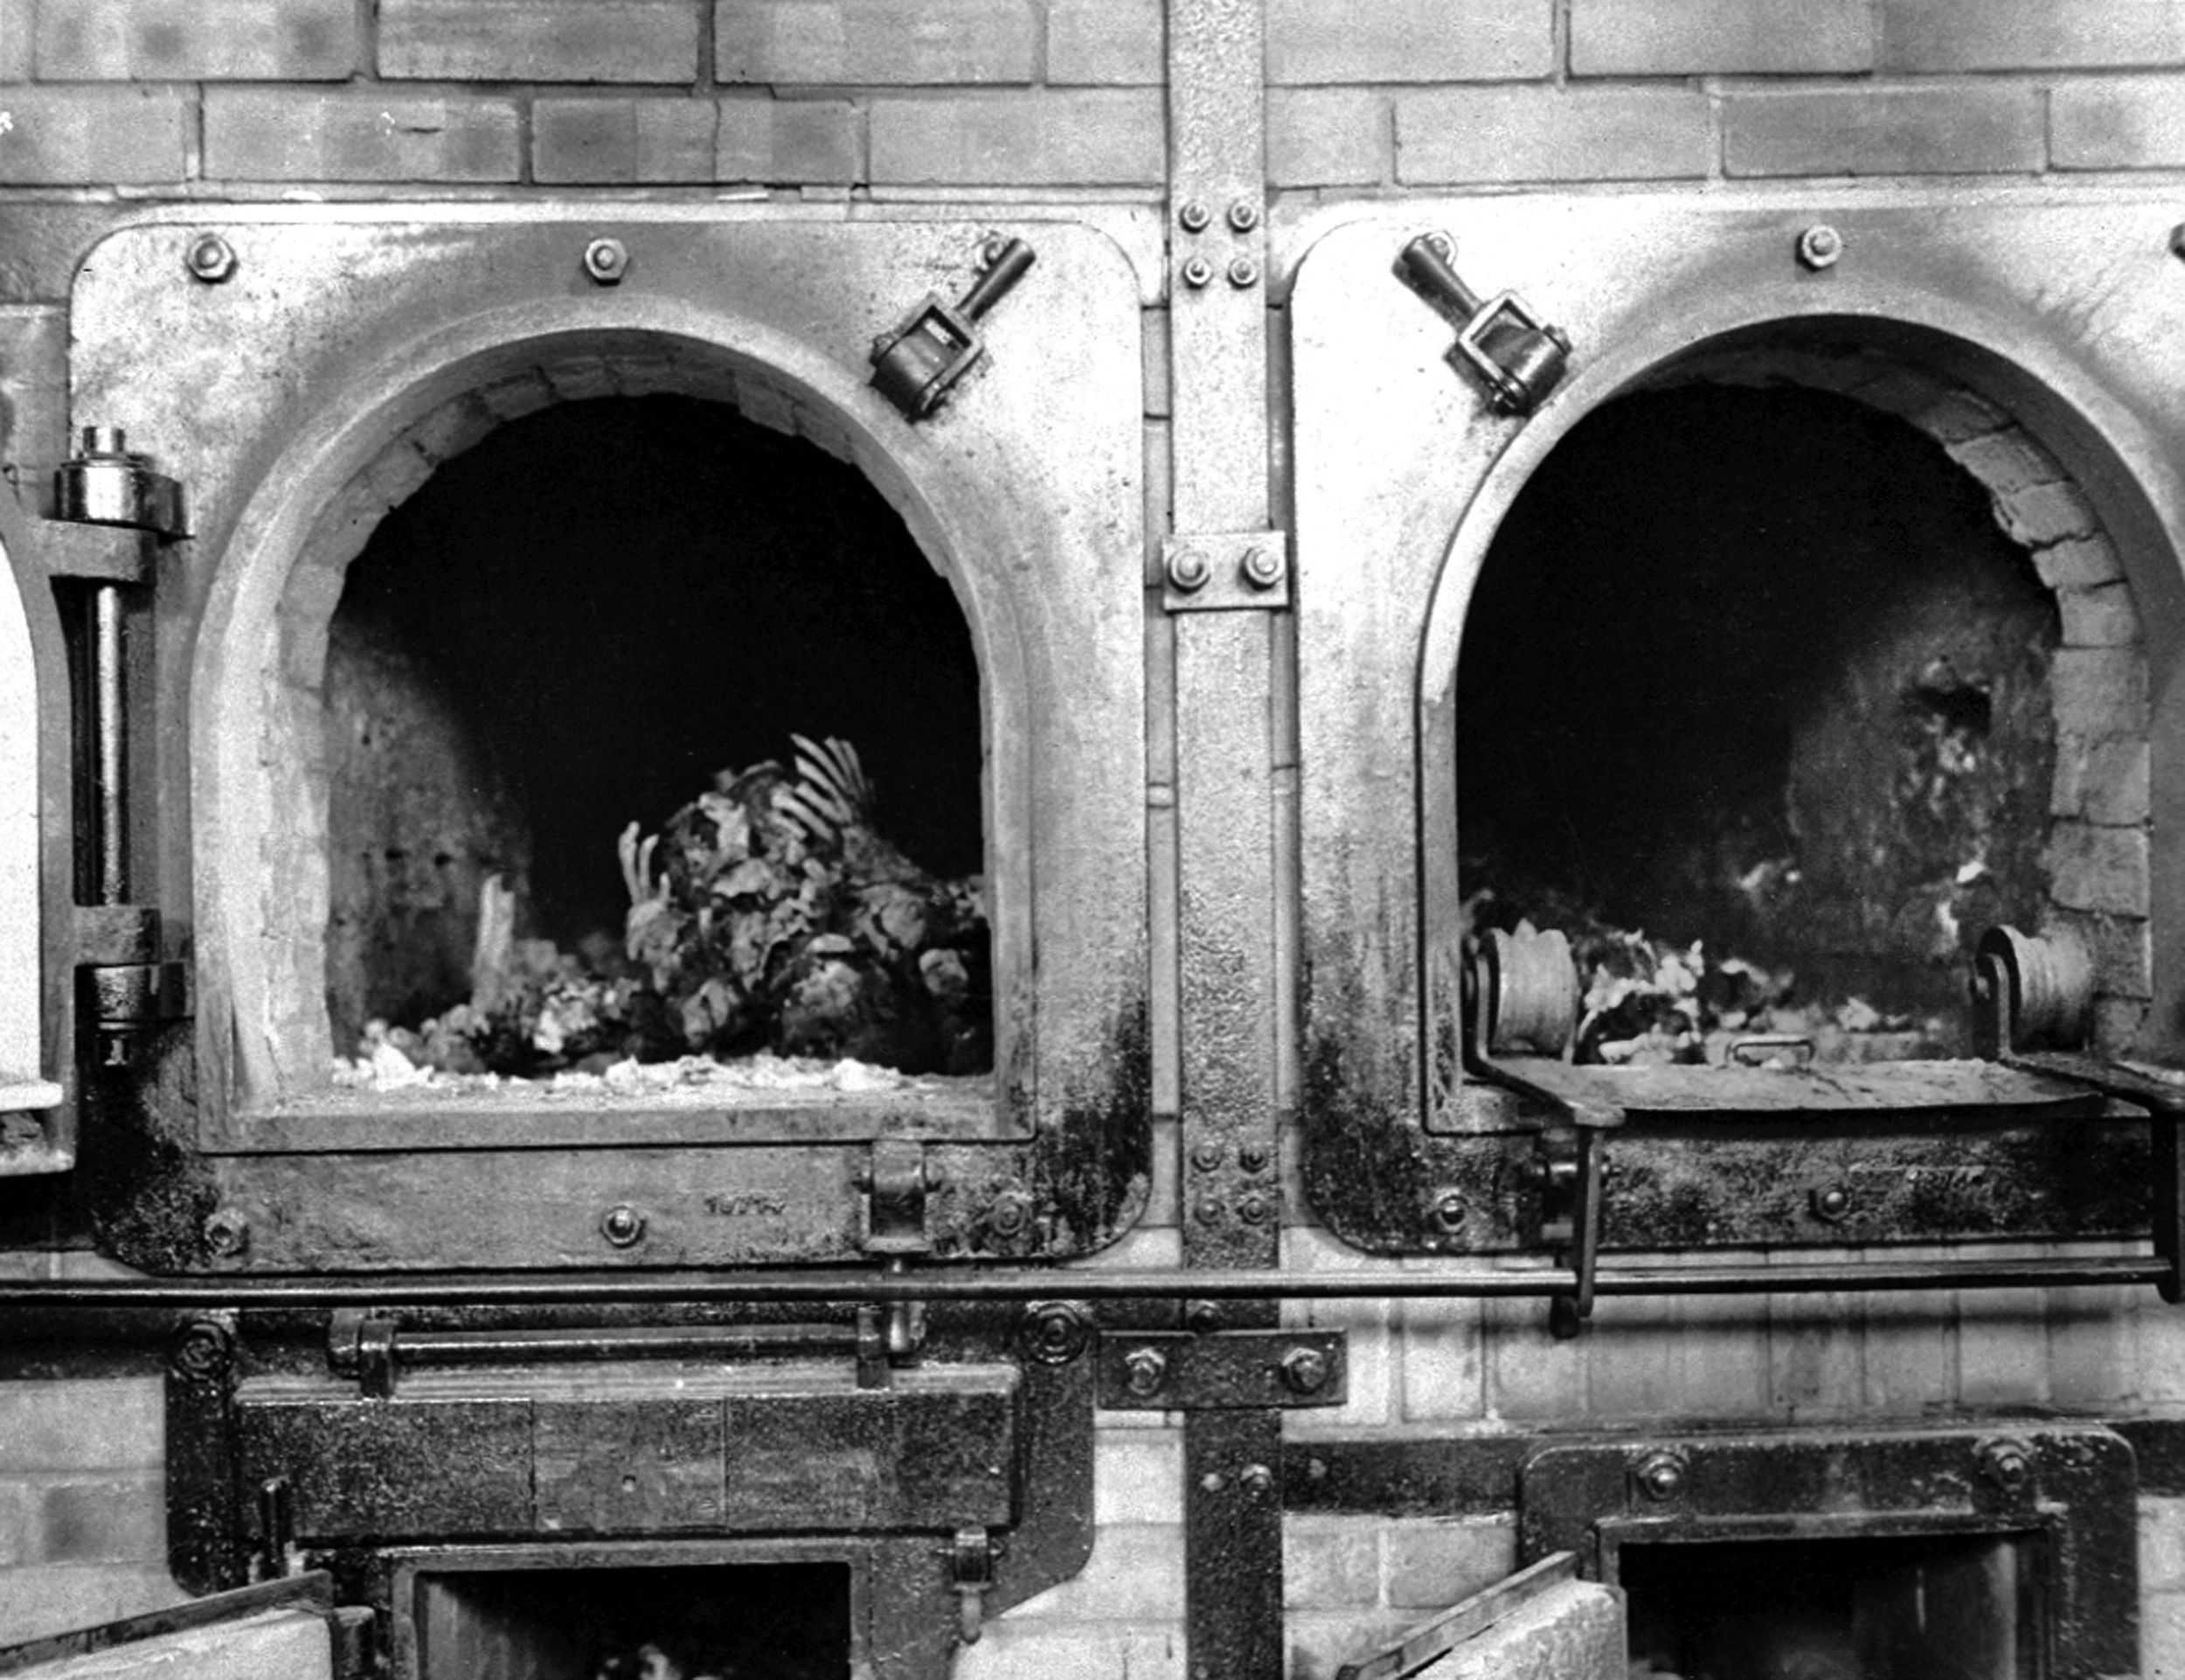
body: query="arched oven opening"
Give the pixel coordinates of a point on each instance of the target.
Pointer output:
(1783, 680)
(650, 734)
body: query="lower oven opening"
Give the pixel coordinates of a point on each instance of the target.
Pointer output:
(653, 744)
(1761, 703)
(746, 1621)
(1955, 1606)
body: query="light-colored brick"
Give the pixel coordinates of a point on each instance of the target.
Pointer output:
(92, 137)
(840, 42)
(1403, 41)
(19, 29)
(1107, 138)
(2080, 562)
(2117, 125)
(2098, 692)
(22, 1529)
(2122, 948)
(1136, 1575)
(1137, 1476)
(34, 396)
(610, 139)
(1105, 43)
(1321, 1642)
(2099, 868)
(1014, 1646)
(198, 40)
(86, 1425)
(1680, 1355)
(2002, 1342)
(1369, 1328)
(1816, 1353)
(2093, 1356)
(788, 142)
(1546, 134)
(1443, 1370)
(1430, 1562)
(1645, 38)
(2099, 618)
(2162, 1637)
(2162, 1544)
(539, 40)
(2047, 513)
(1928, 35)
(268, 137)
(61, 1598)
(1910, 1352)
(1533, 1376)
(1330, 1562)
(1949, 130)
(112, 1519)
(1329, 136)
(2007, 461)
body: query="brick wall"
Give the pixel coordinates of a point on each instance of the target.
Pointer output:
(898, 99)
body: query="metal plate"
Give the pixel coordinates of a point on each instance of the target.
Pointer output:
(642, 1468)
(1180, 1372)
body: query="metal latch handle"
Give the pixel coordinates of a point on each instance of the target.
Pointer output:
(917, 365)
(1519, 358)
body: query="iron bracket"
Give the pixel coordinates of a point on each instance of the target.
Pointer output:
(1180, 1370)
(1225, 571)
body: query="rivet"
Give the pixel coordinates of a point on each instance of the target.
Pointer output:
(1447, 1212)
(1201, 1317)
(1305, 1371)
(1244, 215)
(1243, 272)
(2007, 1463)
(1257, 1479)
(1830, 1203)
(1144, 1370)
(1188, 572)
(226, 1233)
(1010, 1213)
(1262, 566)
(606, 261)
(211, 258)
(1659, 1475)
(621, 1224)
(1820, 246)
(1208, 1210)
(1251, 1158)
(1206, 1154)
(1253, 1209)
(1193, 217)
(1211, 1482)
(1197, 272)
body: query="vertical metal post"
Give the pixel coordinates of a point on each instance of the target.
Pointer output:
(109, 704)
(1227, 804)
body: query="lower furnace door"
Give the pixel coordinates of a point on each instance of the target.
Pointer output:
(289, 1627)
(1542, 1623)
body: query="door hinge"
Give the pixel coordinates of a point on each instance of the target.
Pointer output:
(971, 1556)
(113, 511)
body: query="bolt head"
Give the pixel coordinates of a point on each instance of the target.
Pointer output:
(1188, 572)
(1305, 1371)
(1251, 1158)
(226, 1233)
(621, 1224)
(1197, 271)
(2007, 1464)
(1447, 1212)
(1253, 1210)
(1660, 1475)
(1206, 1154)
(1820, 246)
(1193, 217)
(1831, 1203)
(211, 258)
(1058, 1333)
(1262, 566)
(1144, 1370)
(1256, 1479)
(1009, 1214)
(1243, 272)
(1244, 215)
(606, 261)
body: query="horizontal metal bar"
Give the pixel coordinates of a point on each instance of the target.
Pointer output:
(447, 1289)
(423, 1347)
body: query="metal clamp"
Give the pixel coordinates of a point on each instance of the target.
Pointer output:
(917, 365)
(1518, 359)
(1225, 571)
(1180, 1370)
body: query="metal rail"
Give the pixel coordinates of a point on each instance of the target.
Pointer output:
(617, 1289)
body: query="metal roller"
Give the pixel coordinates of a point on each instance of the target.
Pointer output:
(1532, 992)
(2048, 983)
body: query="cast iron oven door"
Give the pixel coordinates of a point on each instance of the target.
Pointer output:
(2048, 333)
(302, 374)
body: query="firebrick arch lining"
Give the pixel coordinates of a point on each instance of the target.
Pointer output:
(2065, 475)
(259, 788)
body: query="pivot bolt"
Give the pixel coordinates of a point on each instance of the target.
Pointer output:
(1189, 572)
(2008, 1464)
(1193, 217)
(1010, 1213)
(211, 258)
(1144, 1370)
(1305, 1371)
(621, 1224)
(1197, 271)
(1660, 1475)
(1252, 1158)
(1820, 246)
(1262, 566)
(226, 1233)
(606, 261)
(1059, 1332)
